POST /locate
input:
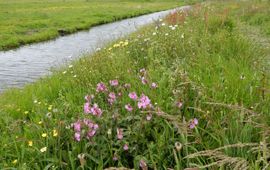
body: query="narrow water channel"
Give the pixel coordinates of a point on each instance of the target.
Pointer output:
(28, 63)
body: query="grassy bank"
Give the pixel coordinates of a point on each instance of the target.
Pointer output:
(28, 21)
(202, 101)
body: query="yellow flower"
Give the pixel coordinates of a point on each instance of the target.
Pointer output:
(15, 161)
(44, 135)
(50, 107)
(126, 43)
(26, 112)
(44, 149)
(40, 122)
(116, 45)
(55, 133)
(110, 49)
(30, 143)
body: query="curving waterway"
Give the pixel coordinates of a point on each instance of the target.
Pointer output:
(30, 62)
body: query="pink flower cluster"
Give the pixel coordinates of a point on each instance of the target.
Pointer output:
(144, 102)
(114, 82)
(95, 110)
(111, 98)
(84, 128)
(101, 87)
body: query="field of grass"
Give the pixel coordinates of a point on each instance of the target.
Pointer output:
(203, 101)
(29, 21)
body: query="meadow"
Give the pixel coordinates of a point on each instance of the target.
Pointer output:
(191, 90)
(28, 21)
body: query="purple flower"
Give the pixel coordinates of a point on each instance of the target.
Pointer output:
(95, 110)
(128, 107)
(144, 102)
(125, 147)
(114, 82)
(101, 87)
(87, 108)
(77, 136)
(133, 96)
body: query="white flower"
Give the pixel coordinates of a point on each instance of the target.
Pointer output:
(70, 66)
(109, 131)
(154, 33)
(163, 24)
(44, 149)
(183, 36)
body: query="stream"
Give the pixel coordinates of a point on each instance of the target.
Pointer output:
(31, 62)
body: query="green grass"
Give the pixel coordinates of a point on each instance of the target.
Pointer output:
(205, 63)
(28, 21)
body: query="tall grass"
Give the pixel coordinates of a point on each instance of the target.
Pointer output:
(204, 70)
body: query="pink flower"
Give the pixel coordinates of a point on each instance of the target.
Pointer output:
(144, 102)
(179, 104)
(193, 123)
(112, 97)
(77, 126)
(128, 107)
(133, 96)
(95, 126)
(114, 82)
(119, 133)
(127, 86)
(125, 147)
(88, 98)
(95, 110)
(87, 108)
(154, 85)
(115, 158)
(144, 81)
(143, 165)
(88, 123)
(149, 117)
(159, 111)
(143, 71)
(91, 133)
(101, 87)
(77, 136)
